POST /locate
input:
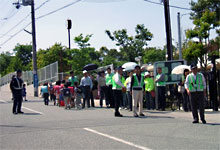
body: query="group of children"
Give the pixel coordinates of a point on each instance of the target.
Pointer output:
(63, 94)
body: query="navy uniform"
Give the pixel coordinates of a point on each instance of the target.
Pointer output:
(16, 86)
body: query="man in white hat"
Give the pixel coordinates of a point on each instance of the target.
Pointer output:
(86, 84)
(195, 86)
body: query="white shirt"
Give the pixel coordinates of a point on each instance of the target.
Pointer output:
(117, 80)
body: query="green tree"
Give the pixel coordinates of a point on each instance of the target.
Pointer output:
(131, 46)
(5, 60)
(153, 54)
(23, 54)
(205, 16)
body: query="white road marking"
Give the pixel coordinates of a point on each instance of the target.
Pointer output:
(32, 110)
(117, 139)
(3, 101)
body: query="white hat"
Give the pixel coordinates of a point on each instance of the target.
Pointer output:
(146, 74)
(84, 71)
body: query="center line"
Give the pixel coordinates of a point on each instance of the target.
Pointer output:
(32, 110)
(117, 139)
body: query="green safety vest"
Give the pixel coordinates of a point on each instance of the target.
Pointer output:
(72, 80)
(149, 84)
(137, 83)
(116, 86)
(195, 85)
(108, 79)
(161, 83)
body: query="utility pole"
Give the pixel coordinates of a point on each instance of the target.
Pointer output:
(34, 56)
(168, 29)
(179, 36)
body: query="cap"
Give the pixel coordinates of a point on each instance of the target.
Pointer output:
(19, 71)
(193, 66)
(84, 71)
(137, 66)
(146, 74)
(119, 67)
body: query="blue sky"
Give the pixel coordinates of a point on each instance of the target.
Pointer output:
(90, 17)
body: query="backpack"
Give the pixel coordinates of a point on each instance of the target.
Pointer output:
(66, 92)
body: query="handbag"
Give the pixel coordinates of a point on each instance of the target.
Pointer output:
(152, 93)
(181, 89)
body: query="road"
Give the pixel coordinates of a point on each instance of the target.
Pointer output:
(52, 127)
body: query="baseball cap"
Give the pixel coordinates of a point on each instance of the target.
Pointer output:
(84, 71)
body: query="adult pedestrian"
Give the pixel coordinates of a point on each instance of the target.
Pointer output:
(128, 86)
(72, 78)
(185, 96)
(109, 93)
(102, 88)
(149, 87)
(136, 89)
(117, 88)
(86, 84)
(161, 89)
(16, 86)
(196, 88)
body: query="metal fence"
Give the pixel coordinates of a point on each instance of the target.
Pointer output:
(46, 74)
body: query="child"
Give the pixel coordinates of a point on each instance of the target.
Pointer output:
(67, 96)
(78, 95)
(24, 92)
(45, 91)
(57, 89)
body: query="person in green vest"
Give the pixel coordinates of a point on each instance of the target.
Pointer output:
(128, 86)
(109, 93)
(161, 89)
(118, 87)
(72, 79)
(195, 86)
(136, 89)
(149, 87)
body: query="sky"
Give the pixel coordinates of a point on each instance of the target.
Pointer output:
(88, 17)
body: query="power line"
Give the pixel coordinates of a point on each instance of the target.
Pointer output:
(70, 4)
(23, 19)
(169, 5)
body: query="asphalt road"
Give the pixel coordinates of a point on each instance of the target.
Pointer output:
(51, 127)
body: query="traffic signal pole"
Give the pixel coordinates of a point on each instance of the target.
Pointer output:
(168, 29)
(34, 57)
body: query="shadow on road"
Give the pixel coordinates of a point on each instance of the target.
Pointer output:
(11, 126)
(213, 124)
(152, 117)
(30, 114)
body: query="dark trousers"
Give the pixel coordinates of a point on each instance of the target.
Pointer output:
(186, 101)
(117, 97)
(103, 94)
(109, 96)
(86, 96)
(150, 104)
(197, 102)
(17, 101)
(129, 97)
(161, 97)
(46, 98)
(92, 99)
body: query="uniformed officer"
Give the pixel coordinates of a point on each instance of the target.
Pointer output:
(16, 86)
(196, 88)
